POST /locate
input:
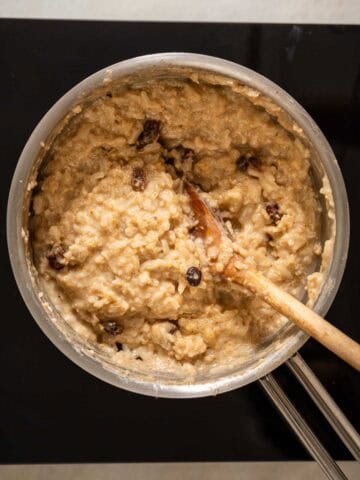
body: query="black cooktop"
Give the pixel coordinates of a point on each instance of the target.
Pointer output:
(50, 409)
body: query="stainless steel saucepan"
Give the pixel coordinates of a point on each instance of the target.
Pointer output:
(269, 355)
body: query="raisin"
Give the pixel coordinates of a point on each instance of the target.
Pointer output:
(193, 276)
(119, 346)
(247, 160)
(139, 358)
(111, 327)
(109, 94)
(149, 134)
(273, 210)
(138, 179)
(56, 257)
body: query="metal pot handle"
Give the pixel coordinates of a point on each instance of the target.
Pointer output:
(327, 406)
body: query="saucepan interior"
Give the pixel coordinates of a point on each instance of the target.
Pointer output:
(269, 354)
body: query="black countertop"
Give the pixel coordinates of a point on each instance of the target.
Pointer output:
(50, 409)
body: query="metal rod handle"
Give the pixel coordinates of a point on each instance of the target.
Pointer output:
(301, 428)
(326, 404)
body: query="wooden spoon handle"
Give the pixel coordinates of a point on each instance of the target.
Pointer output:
(309, 321)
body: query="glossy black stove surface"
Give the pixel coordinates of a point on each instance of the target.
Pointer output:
(51, 410)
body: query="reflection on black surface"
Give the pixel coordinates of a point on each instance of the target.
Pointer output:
(51, 411)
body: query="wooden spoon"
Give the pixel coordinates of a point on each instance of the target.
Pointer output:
(212, 231)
